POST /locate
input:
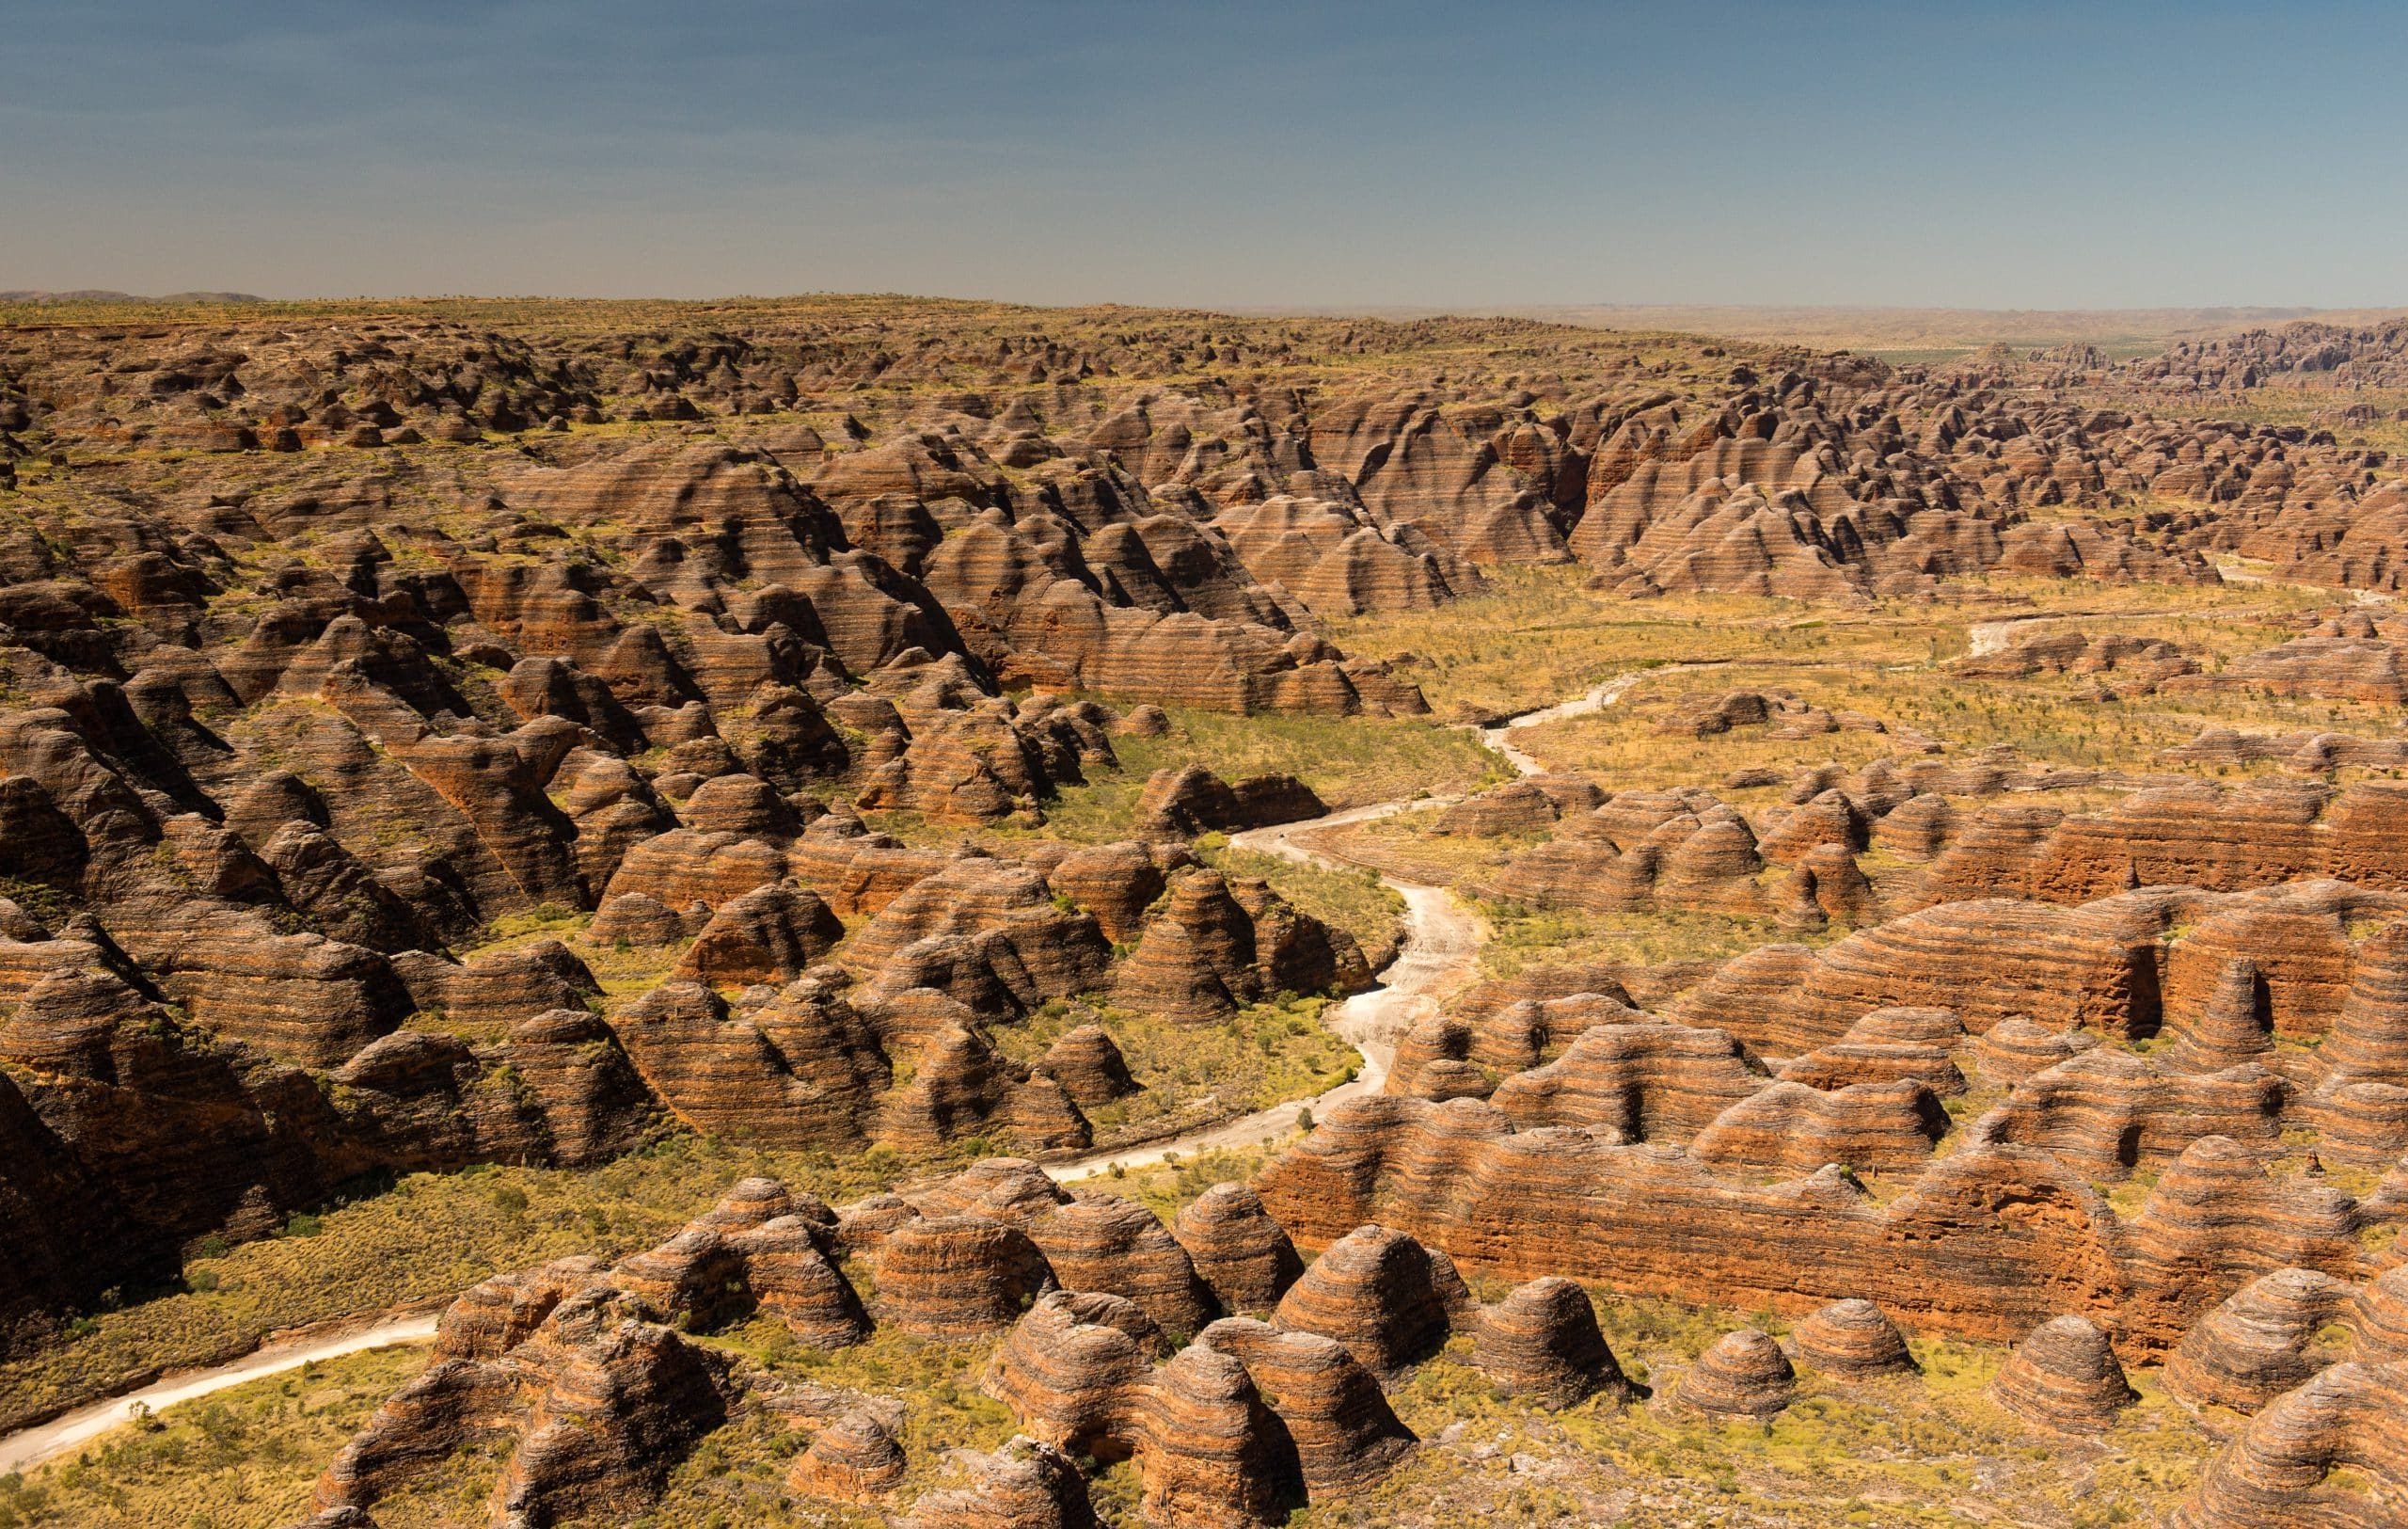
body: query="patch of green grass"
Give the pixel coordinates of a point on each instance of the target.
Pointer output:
(429, 1236)
(1348, 761)
(1263, 1054)
(1348, 899)
(247, 1456)
(1168, 1189)
(1526, 936)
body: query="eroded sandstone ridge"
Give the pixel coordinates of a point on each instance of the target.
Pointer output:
(432, 738)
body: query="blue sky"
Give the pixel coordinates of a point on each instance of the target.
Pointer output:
(1997, 155)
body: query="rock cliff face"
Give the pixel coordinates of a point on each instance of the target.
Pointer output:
(1958, 1250)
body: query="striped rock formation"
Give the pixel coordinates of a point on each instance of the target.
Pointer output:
(1542, 1342)
(1387, 1298)
(2065, 1377)
(1239, 1252)
(1957, 1252)
(1637, 1082)
(2261, 1342)
(2329, 1448)
(1267, 1415)
(1743, 1374)
(1025, 1484)
(593, 1409)
(1853, 1338)
(853, 1458)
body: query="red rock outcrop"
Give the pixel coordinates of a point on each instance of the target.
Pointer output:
(1542, 1340)
(1184, 801)
(1239, 1251)
(1743, 1374)
(2261, 1342)
(1383, 1295)
(1852, 1339)
(1636, 1082)
(771, 935)
(595, 1406)
(1025, 1484)
(2064, 1377)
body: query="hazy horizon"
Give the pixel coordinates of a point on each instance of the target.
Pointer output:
(1323, 158)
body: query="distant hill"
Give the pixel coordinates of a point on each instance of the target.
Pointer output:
(1917, 333)
(100, 296)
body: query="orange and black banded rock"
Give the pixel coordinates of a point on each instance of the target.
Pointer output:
(2112, 1111)
(1642, 1081)
(2358, 1123)
(1917, 829)
(1343, 1431)
(1744, 1374)
(2016, 1048)
(1005, 919)
(1095, 1243)
(1217, 945)
(2061, 967)
(758, 1250)
(801, 1071)
(1025, 1484)
(1827, 879)
(1196, 960)
(2331, 1454)
(2369, 1041)
(1887, 1046)
(1073, 1370)
(2233, 1027)
(1387, 1298)
(2065, 1377)
(959, 1084)
(2217, 1216)
(1542, 1340)
(1830, 819)
(633, 919)
(595, 1103)
(1116, 882)
(1210, 1452)
(1237, 1249)
(1181, 802)
(1088, 1066)
(1104, 1242)
(1520, 807)
(1852, 1338)
(1955, 1253)
(855, 1459)
(2264, 1340)
(594, 1409)
(1789, 1129)
(1631, 857)
(1484, 1036)
(857, 873)
(496, 1316)
(957, 1278)
(771, 935)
